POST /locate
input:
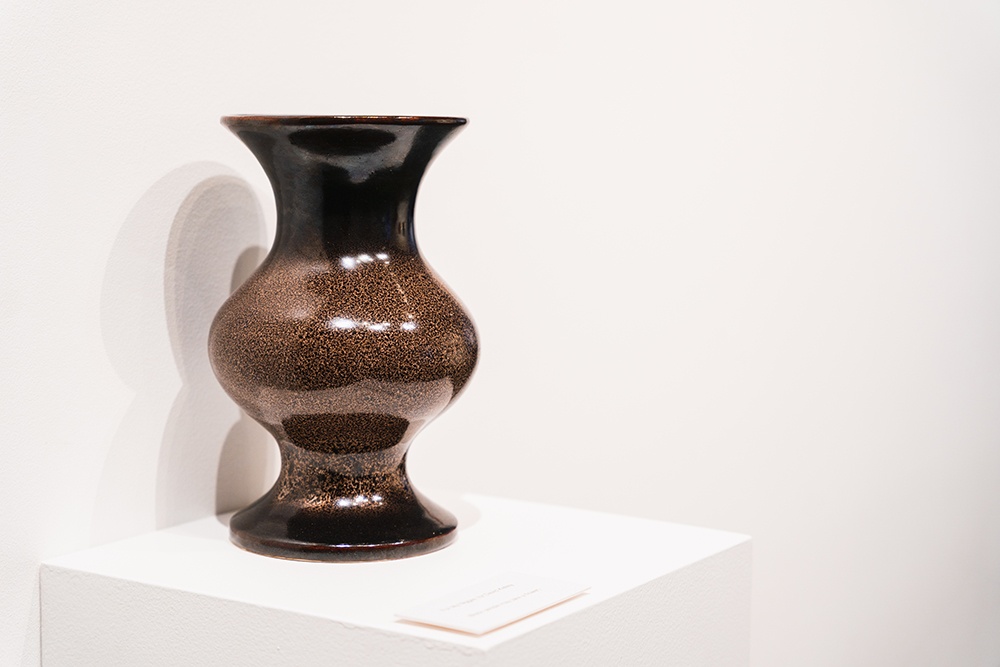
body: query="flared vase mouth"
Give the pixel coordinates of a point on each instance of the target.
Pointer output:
(327, 121)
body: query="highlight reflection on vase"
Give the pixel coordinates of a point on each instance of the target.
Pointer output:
(343, 344)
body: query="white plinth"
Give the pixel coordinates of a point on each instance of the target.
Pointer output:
(660, 594)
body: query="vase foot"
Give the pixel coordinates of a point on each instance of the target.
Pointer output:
(341, 532)
(340, 552)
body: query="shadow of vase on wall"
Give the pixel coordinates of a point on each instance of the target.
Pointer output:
(188, 239)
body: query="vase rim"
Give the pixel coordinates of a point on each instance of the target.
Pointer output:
(305, 121)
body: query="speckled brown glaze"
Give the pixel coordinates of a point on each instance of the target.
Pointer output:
(343, 344)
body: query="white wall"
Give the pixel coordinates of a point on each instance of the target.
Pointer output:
(733, 264)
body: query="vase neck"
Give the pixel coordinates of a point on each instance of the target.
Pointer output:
(344, 186)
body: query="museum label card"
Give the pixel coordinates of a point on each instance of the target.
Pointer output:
(494, 603)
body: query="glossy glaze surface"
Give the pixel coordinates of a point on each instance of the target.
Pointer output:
(343, 344)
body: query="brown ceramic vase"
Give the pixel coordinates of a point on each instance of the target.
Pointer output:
(344, 343)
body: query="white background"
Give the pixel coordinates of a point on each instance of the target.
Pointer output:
(733, 264)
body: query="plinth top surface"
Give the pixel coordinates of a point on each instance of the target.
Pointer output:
(609, 553)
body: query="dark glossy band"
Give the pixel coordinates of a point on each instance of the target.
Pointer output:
(323, 121)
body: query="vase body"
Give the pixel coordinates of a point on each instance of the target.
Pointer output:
(343, 344)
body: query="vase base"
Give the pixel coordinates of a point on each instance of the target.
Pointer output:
(290, 550)
(401, 525)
